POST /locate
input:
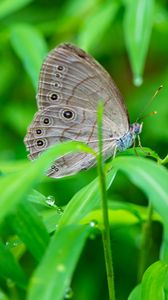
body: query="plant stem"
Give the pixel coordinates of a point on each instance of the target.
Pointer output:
(146, 243)
(106, 227)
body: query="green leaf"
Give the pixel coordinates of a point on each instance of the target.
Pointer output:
(68, 239)
(10, 268)
(3, 296)
(30, 228)
(7, 6)
(150, 177)
(14, 187)
(53, 276)
(138, 23)
(136, 293)
(96, 24)
(154, 281)
(31, 48)
(84, 201)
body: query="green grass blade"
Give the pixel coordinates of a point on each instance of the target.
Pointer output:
(30, 47)
(3, 296)
(14, 187)
(95, 25)
(8, 7)
(31, 230)
(150, 177)
(136, 293)
(84, 201)
(137, 28)
(10, 268)
(53, 276)
(154, 282)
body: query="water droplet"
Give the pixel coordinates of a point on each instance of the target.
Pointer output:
(59, 210)
(92, 236)
(93, 223)
(50, 200)
(13, 243)
(137, 80)
(68, 293)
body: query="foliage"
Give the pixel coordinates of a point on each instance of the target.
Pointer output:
(50, 246)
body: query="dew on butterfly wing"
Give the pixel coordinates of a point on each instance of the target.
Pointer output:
(50, 200)
(68, 293)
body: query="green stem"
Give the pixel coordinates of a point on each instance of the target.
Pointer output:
(106, 227)
(146, 243)
(163, 161)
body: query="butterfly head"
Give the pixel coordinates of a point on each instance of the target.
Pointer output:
(136, 128)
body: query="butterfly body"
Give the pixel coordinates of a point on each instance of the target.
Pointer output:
(71, 84)
(128, 139)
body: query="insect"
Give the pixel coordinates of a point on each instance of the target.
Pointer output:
(70, 85)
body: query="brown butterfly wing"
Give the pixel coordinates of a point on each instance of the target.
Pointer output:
(61, 123)
(70, 76)
(72, 81)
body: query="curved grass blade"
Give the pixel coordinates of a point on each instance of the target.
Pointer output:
(14, 187)
(8, 7)
(154, 282)
(30, 47)
(138, 23)
(53, 276)
(150, 177)
(10, 268)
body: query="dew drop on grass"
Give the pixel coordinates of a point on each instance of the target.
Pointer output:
(138, 80)
(68, 293)
(59, 210)
(93, 223)
(50, 200)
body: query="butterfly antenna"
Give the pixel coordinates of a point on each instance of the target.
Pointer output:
(141, 116)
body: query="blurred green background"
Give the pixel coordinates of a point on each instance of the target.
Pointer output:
(130, 39)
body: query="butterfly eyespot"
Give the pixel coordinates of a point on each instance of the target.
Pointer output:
(68, 114)
(40, 143)
(46, 121)
(60, 68)
(57, 85)
(38, 131)
(58, 75)
(54, 168)
(54, 96)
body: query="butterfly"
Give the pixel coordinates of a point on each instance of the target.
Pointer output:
(70, 85)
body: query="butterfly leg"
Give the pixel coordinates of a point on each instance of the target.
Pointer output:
(140, 145)
(114, 153)
(134, 144)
